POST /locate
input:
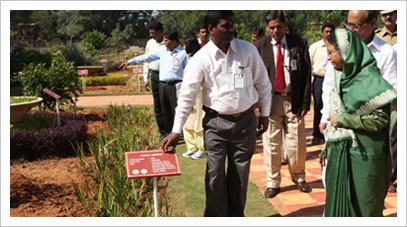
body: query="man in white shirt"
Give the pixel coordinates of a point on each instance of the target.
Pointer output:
(233, 78)
(362, 22)
(318, 55)
(203, 36)
(155, 30)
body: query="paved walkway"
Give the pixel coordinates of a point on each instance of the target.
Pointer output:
(290, 201)
(93, 101)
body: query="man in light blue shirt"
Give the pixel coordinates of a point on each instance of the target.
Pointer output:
(173, 60)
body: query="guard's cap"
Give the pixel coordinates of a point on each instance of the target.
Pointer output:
(386, 11)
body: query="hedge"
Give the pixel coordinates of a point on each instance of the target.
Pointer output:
(111, 79)
(49, 142)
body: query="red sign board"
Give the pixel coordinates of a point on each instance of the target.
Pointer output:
(83, 72)
(137, 70)
(51, 93)
(153, 163)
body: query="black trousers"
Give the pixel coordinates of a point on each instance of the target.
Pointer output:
(236, 141)
(155, 88)
(168, 102)
(317, 95)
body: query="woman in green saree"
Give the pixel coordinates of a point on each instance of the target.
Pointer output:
(357, 147)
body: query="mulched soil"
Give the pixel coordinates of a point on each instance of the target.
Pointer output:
(45, 188)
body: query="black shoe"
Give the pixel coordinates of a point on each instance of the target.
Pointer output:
(303, 186)
(317, 141)
(271, 192)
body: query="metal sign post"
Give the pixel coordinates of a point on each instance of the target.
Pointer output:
(154, 163)
(83, 72)
(138, 72)
(155, 197)
(56, 97)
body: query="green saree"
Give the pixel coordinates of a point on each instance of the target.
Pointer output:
(358, 153)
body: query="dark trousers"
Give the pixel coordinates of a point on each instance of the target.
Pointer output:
(236, 140)
(155, 88)
(393, 141)
(168, 102)
(317, 95)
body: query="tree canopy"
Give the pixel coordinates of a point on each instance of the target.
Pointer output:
(122, 26)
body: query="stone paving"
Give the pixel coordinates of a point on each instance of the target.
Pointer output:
(290, 201)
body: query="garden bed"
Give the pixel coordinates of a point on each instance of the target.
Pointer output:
(44, 188)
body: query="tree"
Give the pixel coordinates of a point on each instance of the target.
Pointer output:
(46, 22)
(70, 24)
(121, 39)
(185, 22)
(93, 41)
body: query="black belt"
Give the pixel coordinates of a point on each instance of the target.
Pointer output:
(282, 93)
(318, 76)
(171, 82)
(155, 71)
(230, 117)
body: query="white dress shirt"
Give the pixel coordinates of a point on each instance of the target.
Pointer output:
(318, 54)
(215, 72)
(286, 53)
(151, 46)
(386, 58)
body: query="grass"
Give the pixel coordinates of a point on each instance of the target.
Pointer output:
(187, 192)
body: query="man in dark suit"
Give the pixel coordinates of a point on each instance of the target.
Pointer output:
(288, 64)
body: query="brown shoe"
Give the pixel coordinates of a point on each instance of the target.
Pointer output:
(303, 186)
(271, 192)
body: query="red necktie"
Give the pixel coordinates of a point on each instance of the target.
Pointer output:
(279, 76)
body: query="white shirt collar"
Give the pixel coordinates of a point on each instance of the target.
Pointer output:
(283, 41)
(213, 49)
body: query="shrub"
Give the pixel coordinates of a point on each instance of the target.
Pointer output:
(34, 144)
(61, 78)
(111, 79)
(20, 57)
(111, 193)
(74, 53)
(93, 41)
(34, 123)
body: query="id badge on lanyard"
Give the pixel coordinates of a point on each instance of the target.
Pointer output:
(239, 80)
(175, 62)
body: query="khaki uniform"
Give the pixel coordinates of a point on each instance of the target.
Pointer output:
(384, 34)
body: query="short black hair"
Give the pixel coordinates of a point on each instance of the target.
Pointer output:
(172, 35)
(274, 14)
(157, 26)
(201, 27)
(327, 25)
(258, 30)
(370, 15)
(212, 16)
(191, 45)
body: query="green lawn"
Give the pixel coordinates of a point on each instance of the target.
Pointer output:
(187, 192)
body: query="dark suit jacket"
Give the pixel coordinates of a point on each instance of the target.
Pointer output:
(300, 78)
